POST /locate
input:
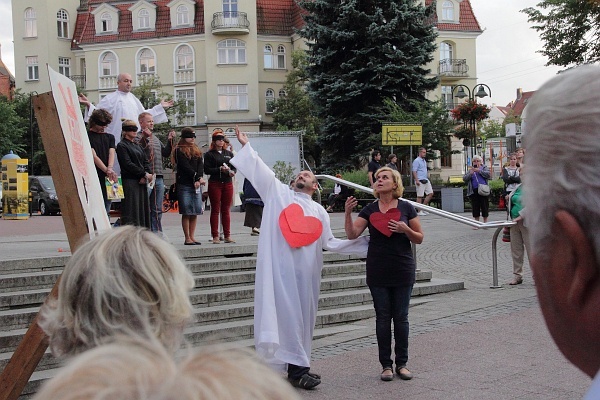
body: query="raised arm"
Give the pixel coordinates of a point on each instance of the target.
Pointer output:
(353, 229)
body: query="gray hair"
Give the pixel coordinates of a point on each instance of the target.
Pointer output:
(562, 139)
(128, 282)
(477, 157)
(138, 370)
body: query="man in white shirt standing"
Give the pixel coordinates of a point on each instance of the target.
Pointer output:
(122, 104)
(421, 176)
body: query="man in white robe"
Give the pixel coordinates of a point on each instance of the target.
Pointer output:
(294, 231)
(122, 104)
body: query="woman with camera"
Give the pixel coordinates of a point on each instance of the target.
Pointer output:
(477, 176)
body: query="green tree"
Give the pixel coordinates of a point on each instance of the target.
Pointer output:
(296, 112)
(437, 127)
(12, 129)
(491, 129)
(569, 29)
(283, 171)
(360, 53)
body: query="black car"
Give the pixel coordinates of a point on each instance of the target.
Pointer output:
(43, 195)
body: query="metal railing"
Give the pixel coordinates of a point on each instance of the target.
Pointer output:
(230, 20)
(498, 225)
(453, 67)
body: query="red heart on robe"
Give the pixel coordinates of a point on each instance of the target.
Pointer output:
(380, 220)
(298, 229)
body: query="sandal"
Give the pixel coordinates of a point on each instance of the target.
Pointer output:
(216, 240)
(306, 381)
(405, 376)
(387, 374)
(229, 240)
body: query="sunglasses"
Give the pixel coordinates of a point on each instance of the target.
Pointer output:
(218, 138)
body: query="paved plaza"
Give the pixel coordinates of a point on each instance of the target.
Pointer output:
(478, 343)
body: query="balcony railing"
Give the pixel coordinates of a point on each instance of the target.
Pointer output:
(79, 80)
(107, 82)
(183, 76)
(453, 67)
(230, 22)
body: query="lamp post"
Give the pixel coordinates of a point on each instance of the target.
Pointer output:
(477, 91)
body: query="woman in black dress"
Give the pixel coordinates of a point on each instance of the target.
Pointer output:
(135, 173)
(393, 225)
(188, 158)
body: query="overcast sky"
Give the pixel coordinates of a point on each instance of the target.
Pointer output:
(506, 50)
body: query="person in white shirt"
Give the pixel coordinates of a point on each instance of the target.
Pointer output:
(294, 231)
(563, 215)
(421, 176)
(122, 104)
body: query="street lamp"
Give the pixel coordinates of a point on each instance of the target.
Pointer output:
(477, 91)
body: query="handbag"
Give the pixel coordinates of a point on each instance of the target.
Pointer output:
(483, 189)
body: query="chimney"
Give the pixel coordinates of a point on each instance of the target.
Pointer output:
(519, 93)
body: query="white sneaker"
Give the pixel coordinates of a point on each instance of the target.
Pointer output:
(422, 213)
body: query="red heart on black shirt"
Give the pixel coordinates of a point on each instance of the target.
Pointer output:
(380, 220)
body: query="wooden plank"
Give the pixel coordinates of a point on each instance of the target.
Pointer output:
(28, 354)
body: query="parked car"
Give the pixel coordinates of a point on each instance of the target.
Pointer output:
(43, 195)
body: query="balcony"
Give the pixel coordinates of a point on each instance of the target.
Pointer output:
(184, 76)
(453, 68)
(107, 82)
(230, 22)
(79, 81)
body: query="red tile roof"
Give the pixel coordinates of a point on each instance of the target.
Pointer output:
(519, 105)
(467, 22)
(274, 17)
(85, 30)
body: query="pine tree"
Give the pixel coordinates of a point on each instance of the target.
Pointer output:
(362, 52)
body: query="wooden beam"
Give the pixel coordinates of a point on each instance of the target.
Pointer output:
(32, 347)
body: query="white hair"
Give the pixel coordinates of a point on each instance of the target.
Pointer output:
(143, 370)
(477, 157)
(128, 282)
(562, 138)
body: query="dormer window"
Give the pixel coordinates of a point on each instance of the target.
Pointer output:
(143, 16)
(182, 13)
(448, 11)
(144, 19)
(106, 19)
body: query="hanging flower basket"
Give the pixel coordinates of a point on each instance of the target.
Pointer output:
(470, 111)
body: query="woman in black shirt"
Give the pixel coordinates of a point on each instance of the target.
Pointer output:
(393, 225)
(220, 186)
(188, 157)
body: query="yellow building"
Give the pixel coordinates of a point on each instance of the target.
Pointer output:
(227, 58)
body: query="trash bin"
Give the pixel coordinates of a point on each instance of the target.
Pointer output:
(453, 200)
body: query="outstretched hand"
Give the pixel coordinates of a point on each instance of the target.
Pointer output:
(83, 100)
(241, 136)
(166, 103)
(351, 202)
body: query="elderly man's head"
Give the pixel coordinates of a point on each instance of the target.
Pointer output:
(562, 200)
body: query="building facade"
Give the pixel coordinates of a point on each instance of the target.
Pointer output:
(228, 59)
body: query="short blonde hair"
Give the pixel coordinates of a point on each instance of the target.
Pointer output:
(137, 370)
(128, 282)
(399, 191)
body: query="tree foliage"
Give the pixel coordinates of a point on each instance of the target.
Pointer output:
(491, 129)
(569, 29)
(296, 112)
(361, 53)
(12, 129)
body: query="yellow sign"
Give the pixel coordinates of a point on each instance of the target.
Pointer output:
(15, 187)
(401, 134)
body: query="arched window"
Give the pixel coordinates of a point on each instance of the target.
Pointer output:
(30, 23)
(268, 56)
(144, 19)
(108, 64)
(231, 51)
(282, 93)
(448, 11)
(183, 15)
(280, 57)
(106, 22)
(146, 62)
(184, 57)
(62, 24)
(269, 100)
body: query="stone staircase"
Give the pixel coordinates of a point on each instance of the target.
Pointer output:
(222, 298)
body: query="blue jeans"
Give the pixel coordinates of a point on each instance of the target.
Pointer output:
(156, 203)
(391, 303)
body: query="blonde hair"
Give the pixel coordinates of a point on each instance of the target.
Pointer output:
(396, 178)
(137, 370)
(127, 281)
